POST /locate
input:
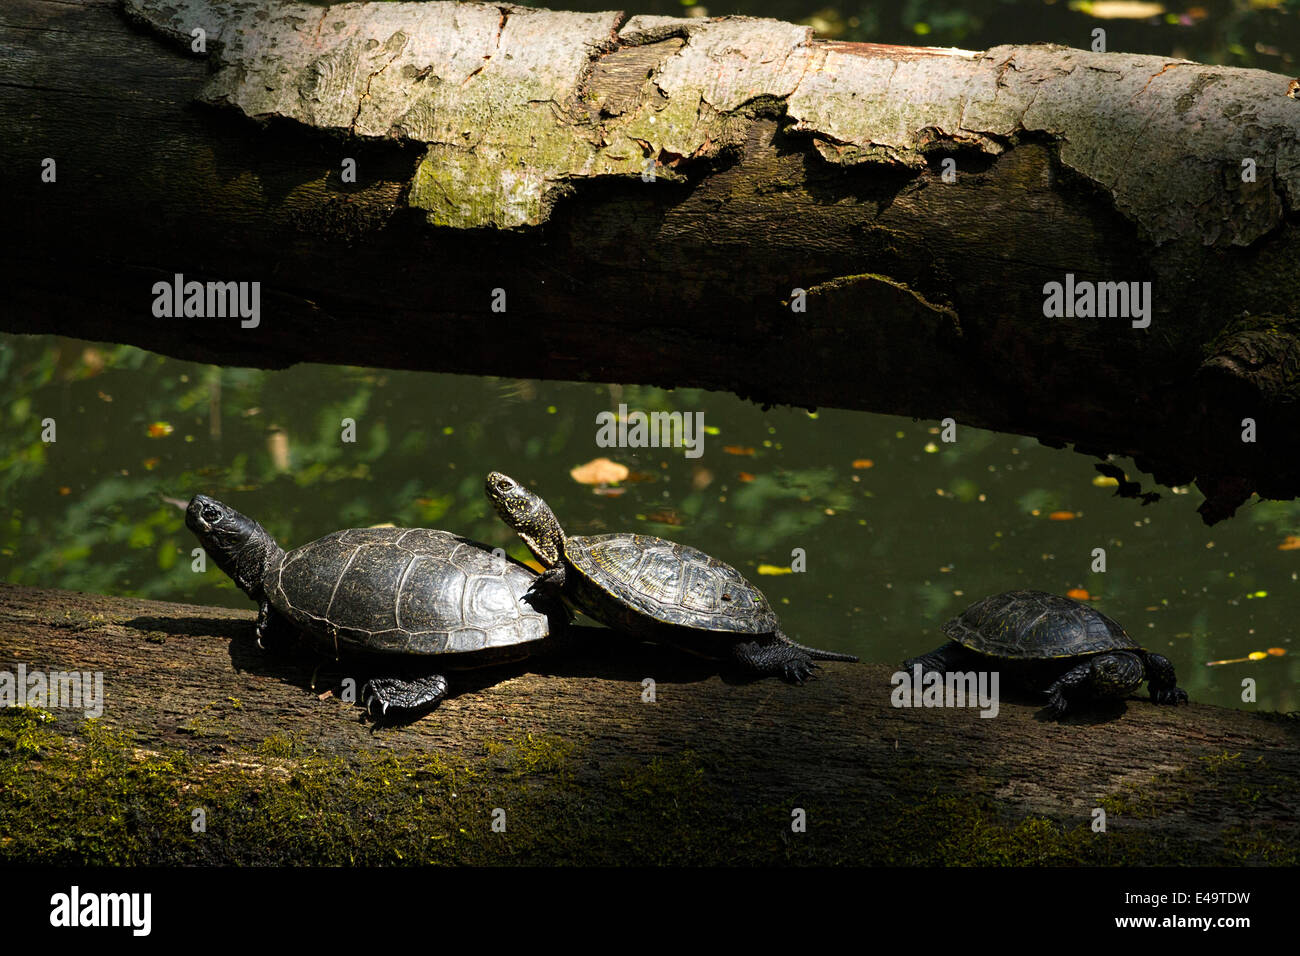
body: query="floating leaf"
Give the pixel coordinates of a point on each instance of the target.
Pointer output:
(599, 471)
(1079, 594)
(1105, 481)
(1290, 543)
(863, 463)
(1252, 656)
(1119, 9)
(738, 449)
(745, 476)
(774, 569)
(1062, 516)
(160, 429)
(664, 517)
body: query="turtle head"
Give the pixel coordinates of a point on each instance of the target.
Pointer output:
(240, 546)
(530, 516)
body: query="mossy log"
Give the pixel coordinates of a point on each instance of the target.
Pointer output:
(643, 196)
(578, 767)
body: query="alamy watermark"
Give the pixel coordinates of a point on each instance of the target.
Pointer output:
(916, 688)
(179, 299)
(75, 908)
(1084, 299)
(57, 690)
(639, 429)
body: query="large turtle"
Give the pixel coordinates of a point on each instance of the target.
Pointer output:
(425, 600)
(1051, 644)
(656, 589)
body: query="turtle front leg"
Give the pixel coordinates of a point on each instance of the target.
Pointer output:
(770, 657)
(549, 584)
(384, 694)
(1161, 681)
(274, 633)
(1104, 675)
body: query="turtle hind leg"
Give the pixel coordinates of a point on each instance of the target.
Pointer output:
(1161, 681)
(385, 696)
(763, 658)
(1067, 692)
(816, 653)
(947, 657)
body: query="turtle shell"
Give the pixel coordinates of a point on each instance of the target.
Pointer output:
(631, 576)
(405, 591)
(1030, 625)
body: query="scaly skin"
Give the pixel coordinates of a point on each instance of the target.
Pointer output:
(1161, 680)
(782, 660)
(1102, 676)
(386, 697)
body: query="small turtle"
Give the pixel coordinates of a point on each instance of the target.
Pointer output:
(656, 589)
(1055, 645)
(429, 599)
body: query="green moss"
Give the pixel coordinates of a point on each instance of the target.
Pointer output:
(1243, 844)
(540, 754)
(95, 797)
(1225, 780)
(23, 731)
(278, 745)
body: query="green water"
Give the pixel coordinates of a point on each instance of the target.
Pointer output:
(892, 550)
(1264, 34)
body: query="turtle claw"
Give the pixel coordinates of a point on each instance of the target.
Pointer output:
(402, 696)
(796, 670)
(1056, 704)
(373, 700)
(1169, 695)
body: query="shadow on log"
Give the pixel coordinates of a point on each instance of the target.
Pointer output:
(209, 751)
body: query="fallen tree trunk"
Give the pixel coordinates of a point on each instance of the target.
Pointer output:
(593, 197)
(582, 768)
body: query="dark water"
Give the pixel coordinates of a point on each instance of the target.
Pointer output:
(1264, 34)
(892, 549)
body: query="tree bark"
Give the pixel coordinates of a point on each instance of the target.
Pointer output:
(645, 196)
(189, 688)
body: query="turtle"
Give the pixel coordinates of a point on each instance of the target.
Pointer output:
(422, 600)
(1047, 643)
(655, 589)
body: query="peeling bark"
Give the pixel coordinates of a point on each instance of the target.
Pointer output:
(501, 97)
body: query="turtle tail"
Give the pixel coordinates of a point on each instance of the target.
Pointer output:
(816, 653)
